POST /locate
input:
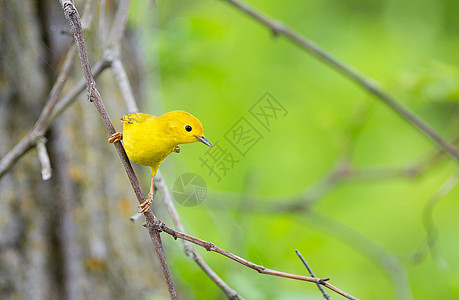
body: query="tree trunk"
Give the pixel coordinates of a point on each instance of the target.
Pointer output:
(68, 237)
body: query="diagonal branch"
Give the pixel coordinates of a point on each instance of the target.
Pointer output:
(35, 135)
(73, 17)
(126, 90)
(190, 251)
(369, 84)
(122, 80)
(373, 251)
(324, 293)
(260, 269)
(119, 23)
(123, 83)
(153, 224)
(343, 171)
(43, 123)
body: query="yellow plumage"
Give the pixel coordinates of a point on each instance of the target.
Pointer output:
(148, 139)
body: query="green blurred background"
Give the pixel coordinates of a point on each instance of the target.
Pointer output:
(367, 233)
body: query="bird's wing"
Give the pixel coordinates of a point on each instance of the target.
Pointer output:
(136, 118)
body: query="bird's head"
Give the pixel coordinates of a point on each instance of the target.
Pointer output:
(184, 127)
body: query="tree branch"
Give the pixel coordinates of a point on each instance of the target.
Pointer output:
(344, 171)
(126, 91)
(153, 224)
(188, 248)
(123, 83)
(260, 269)
(52, 108)
(40, 127)
(44, 122)
(428, 222)
(72, 16)
(369, 84)
(43, 156)
(119, 23)
(324, 293)
(388, 261)
(122, 80)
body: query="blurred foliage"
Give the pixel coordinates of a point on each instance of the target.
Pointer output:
(209, 59)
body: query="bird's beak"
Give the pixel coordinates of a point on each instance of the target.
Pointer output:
(203, 140)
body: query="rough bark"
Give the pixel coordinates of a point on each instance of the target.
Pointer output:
(69, 237)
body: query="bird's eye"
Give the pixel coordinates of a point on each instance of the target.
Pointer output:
(188, 128)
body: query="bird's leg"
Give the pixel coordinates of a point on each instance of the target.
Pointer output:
(145, 205)
(116, 137)
(177, 149)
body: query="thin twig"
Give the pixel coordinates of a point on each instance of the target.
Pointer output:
(123, 83)
(119, 72)
(428, 221)
(43, 124)
(324, 293)
(12, 156)
(188, 248)
(40, 125)
(153, 224)
(119, 23)
(88, 14)
(102, 28)
(260, 269)
(50, 110)
(343, 171)
(388, 261)
(72, 16)
(43, 157)
(279, 28)
(68, 98)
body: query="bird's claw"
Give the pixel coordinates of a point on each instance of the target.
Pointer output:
(116, 137)
(145, 205)
(177, 149)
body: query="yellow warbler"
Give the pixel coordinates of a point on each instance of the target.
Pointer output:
(148, 139)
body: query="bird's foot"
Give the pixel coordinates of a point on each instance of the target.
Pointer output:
(177, 149)
(145, 205)
(116, 137)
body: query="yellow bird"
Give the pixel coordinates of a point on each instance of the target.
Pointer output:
(149, 139)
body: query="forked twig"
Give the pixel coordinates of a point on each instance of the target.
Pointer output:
(260, 269)
(73, 17)
(153, 224)
(55, 104)
(324, 293)
(188, 248)
(367, 83)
